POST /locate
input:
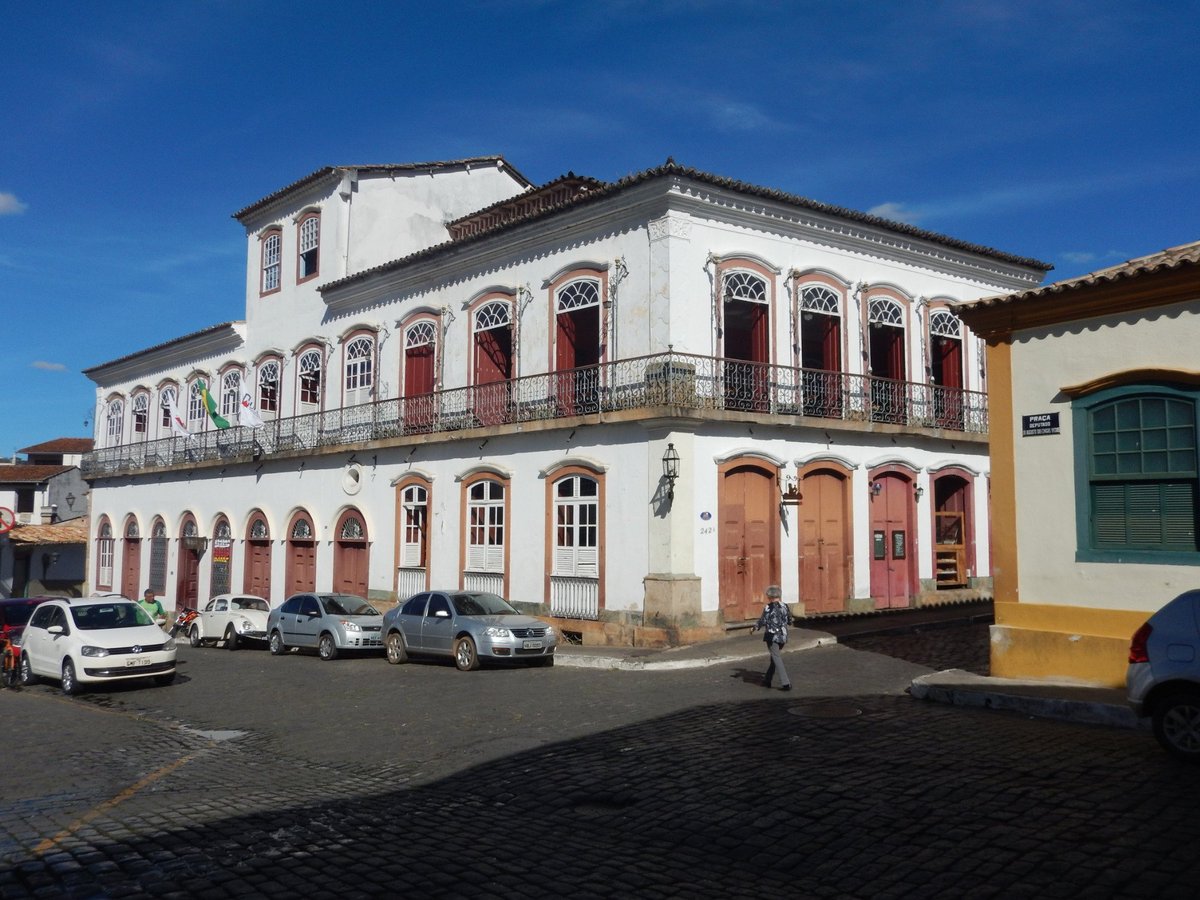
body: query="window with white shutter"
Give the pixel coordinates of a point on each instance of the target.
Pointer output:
(485, 527)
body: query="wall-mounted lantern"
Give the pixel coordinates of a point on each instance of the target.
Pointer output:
(670, 463)
(918, 491)
(876, 488)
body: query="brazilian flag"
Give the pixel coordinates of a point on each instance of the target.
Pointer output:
(211, 405)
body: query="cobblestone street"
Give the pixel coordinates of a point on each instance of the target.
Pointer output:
(542, 783)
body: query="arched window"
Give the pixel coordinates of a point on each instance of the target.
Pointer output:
(359, 370)
(222, 556)
(576, 527)
(885, 311)
(485, 528)
(196, 412)
(114, 421)
(308, 247)
(821, 351)
(231, 396)
(141, 414)
(578, 295)
(414, 503)
(739, 285)
(309, 369)
(158, 556)
(271, 243)
(944, 324)
(105, 547)
(268, 388)
(167, 401)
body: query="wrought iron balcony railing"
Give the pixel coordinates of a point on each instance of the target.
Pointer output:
(694, 383)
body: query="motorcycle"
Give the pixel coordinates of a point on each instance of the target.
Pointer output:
(182, 621)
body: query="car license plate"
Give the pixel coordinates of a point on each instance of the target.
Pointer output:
(134, 661)
(533, 645)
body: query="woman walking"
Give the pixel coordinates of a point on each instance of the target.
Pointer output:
(774, 622)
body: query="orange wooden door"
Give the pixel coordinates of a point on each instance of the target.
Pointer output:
(823, 560)
(132, 566)
(748, 541)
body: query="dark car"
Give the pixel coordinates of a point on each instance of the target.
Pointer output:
(14, 615)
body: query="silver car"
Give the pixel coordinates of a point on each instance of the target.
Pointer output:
(468, 626)
(1163, 678)
(331, 623)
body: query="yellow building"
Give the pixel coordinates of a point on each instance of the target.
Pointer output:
(1094, 394)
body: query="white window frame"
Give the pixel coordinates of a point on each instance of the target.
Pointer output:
(576, 528)
(485, 527)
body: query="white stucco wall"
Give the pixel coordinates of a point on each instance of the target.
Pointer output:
(1043, 362)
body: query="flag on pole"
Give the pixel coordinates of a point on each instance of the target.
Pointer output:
(247, 414)
(211, 405)
(178, 426)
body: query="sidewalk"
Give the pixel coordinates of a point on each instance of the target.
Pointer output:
(1041, 699)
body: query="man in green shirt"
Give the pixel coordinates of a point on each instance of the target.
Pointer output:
(152, 607)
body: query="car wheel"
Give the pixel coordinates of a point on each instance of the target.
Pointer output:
(326, 648)
(164, 680)
(1177, 724)
(70, 684)
(231, 638)
(396, 651)
(194, 636)
(275, 644)
(27, 676)
(465, 655)
(542, 662)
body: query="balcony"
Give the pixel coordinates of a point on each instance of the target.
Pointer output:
(668, 383)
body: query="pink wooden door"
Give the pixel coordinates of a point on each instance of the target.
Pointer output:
(131, 568)
(892, 551)
(747, 540)
(823, 559)
(301, 574)
(258, 569)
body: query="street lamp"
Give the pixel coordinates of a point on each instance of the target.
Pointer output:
(670, 463)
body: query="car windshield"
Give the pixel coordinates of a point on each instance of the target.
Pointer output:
(250, 603)
(348, 605)
(482, 605)
(97, 616)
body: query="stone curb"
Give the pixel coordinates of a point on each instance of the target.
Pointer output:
(960, 688)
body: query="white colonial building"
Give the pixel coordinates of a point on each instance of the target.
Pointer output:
(632, 405)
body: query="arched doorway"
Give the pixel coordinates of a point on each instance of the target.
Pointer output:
(946, 368)
(300, 571)
(492, 362)
(351, 555)
(257, 577)
(420, 375)
(747, 339)
(221, 561)
(131, 559)
(191, 546)
(825, 560)
(577, 347)
(893, 572)
(889, 398)
(953, 535)
(748, 537)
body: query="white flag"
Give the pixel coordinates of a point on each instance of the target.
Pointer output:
(178, 426)
(247, 414)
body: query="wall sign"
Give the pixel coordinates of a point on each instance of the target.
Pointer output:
(1038, 424)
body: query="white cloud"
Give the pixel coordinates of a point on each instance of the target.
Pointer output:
(1080, 259)
(896, 212)
(48, 366)
(10, 205)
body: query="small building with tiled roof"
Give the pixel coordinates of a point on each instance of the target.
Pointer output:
(48, 500)
(628, 406)
(1094, 396)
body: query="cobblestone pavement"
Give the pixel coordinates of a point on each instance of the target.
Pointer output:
(540, 783)
(938, 647)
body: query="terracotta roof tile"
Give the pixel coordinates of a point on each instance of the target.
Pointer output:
(61, 445)
(73, 532)
(26, 473)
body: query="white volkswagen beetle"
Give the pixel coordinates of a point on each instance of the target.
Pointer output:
(235, 619)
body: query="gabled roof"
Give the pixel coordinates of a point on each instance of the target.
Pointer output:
(603, 190)
(1147, 281)
(393, 167)
(61, 445)
(28, 473)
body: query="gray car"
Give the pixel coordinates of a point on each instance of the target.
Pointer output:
(467, 626)
(331, 623)
(1163, 678)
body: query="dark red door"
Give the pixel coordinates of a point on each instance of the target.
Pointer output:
(821, 359)
(188, 591)
(493, 370)
(888, 387)
(577, 355)
(258, 569)
(747, 352)
(301, 574)
(131, 568)
(418, 387)
(947, 374)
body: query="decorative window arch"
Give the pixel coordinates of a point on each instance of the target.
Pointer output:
(309, 373)
(114, 420)
(581, 293)
(268, 387)
(158, 556)
(817, 298)
(302, 529)
(741, 284)
(272, 244)
(131, 528)
(168, 399)
(420, 333)
(258, 530)
(351, 527)
(885, 311)
(197, 415)
(943, 323)
(308, 246)
(493, 314)
(359, 370)
(105, 551)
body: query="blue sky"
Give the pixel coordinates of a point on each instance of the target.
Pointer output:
(130, 131)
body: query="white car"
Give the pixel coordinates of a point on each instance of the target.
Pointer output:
(236, 619)
(1163, 678)
(82, 642)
